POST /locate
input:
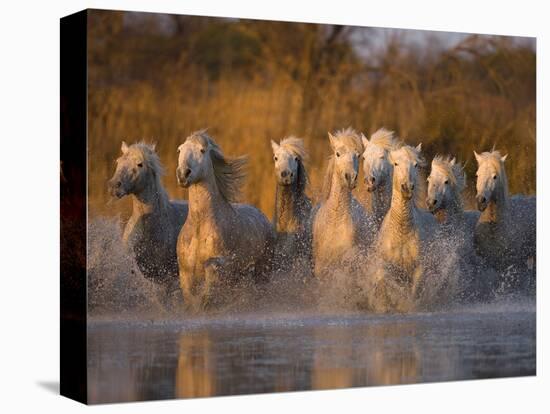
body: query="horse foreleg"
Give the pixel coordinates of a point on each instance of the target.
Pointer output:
(214, 270)
(416, 280)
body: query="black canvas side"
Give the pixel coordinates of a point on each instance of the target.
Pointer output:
(73, 68)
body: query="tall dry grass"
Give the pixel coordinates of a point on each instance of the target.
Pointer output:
(480, 93)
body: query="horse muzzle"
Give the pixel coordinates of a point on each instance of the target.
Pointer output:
(407, 191)
(351, 180)
(285, 177)
(433, 205)
(372, 184)
(482, 203)
(183, 177)
(116, 189)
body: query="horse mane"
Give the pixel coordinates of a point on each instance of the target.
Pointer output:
(350, 138)
(454, 170)
(229, 173)
(295, 146)
(327, 180)
(384, 139)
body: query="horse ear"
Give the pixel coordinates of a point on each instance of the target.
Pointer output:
(453, 161)
(154, 146)
(478, 157)
(124, 147)
(275, 146)
(332, 140)
(365, 140)
(503, 158)
(419, 147)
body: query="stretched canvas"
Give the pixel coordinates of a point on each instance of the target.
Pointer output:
(255, 206)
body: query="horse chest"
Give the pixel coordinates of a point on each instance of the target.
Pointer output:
(335, 242)
(201, 243)
(403, 251)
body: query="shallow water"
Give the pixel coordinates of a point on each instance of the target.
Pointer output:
(132, 361)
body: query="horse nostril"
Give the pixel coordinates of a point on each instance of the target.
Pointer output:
(284, 173)
(372, 179)
(404, 187)
(434, 202)
(118, 184)
(187, 172)
(347, 176)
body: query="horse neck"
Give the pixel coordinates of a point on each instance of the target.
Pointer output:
(206, 200)
(497, 211)
(401, 214)
(339, 199)
(151, 200)
(289, 204)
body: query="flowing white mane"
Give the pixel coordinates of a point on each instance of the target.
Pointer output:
(295, 146)
(384, 139)
(228, 172)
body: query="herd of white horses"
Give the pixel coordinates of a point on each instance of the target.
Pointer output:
(385, 240)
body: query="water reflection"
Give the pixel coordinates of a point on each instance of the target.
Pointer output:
(135, 363)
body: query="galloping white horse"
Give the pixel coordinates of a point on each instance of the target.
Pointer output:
(221, 243)
(403, 236)
(378, 173)
(152, 231)
(340, 223)
(505, 234)
(292, 206)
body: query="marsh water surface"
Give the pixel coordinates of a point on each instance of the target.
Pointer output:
(245, 354)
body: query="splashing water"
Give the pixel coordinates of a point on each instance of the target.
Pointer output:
(117, 289)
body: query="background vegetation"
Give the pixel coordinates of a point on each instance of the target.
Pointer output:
(160, 77)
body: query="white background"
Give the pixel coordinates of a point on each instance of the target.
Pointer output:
(29, 223)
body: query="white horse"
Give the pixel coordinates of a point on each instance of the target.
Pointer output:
(403, 238)
(506, 230)
(291, 218)
(340, 224)
(152, 231)
(378, 173)
(221, 244)
(446, 182)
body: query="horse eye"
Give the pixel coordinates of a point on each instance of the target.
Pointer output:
(395, 164)
(275, 158)
(203, 150)
(494, 177)
(337, 154)
(415, 165)
(296, 159)
(446, 181)
(140, 164)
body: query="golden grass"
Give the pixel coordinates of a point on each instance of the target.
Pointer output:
(451, 104)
